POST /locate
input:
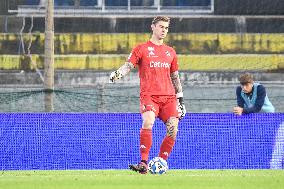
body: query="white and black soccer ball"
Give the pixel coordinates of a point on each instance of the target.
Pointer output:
(158, 166)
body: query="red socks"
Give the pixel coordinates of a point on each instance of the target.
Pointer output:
(145, 143)
(166, 147)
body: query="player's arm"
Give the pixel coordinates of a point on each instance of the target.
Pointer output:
(238, 110)
(122, 71)
(131, 63)
(240, 100)
(176, 82)
(179, 94)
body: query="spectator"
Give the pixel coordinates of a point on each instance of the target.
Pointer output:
(251, 97)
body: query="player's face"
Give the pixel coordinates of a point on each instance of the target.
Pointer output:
(247, 88)
(160, 29)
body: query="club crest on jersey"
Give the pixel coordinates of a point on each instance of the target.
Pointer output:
(151, 52)
(168, 53)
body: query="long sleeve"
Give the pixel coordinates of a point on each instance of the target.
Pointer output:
(240, 100)
(261, 93)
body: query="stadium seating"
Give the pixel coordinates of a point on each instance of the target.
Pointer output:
(125, 2)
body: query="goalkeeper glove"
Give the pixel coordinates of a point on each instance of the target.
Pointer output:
(114, 76)
(181, 106)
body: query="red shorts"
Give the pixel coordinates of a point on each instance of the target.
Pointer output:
(164, 107)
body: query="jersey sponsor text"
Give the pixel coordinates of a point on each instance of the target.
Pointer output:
(159, 64)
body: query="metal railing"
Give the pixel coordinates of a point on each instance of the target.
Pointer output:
(103, 9)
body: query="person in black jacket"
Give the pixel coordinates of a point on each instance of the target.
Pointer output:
(251, 97)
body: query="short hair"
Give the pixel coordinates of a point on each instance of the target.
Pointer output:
(246, 78)
(160, 18)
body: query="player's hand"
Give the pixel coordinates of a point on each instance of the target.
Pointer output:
(181, 108)
(114, 76)
(238, 110)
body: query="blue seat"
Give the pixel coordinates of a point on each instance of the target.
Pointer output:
(64, 2)
(88, 2)
(185, 3)
(116, 2)
(32, 2)
(142, 2)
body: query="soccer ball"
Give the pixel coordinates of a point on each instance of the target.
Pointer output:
(158, 166)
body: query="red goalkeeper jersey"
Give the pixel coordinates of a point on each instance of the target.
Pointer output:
(155, 63)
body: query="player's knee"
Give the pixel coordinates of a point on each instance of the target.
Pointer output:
(172, 127)
(148, 123)
(148, 119)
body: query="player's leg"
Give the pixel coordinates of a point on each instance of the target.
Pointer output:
(169, 116)
(145, 142)
(146, 134)
(149, 109)
(169, 140)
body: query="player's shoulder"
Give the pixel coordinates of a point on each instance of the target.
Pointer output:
(141, 46)
(239, 89)
(169, 48)
(144, 44)
(260, 88)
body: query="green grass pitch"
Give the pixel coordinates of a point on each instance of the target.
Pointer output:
(125, 179)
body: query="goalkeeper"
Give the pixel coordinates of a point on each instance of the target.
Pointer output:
(160, 90)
